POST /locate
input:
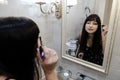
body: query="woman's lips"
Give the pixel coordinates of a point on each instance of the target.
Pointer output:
(90, 29)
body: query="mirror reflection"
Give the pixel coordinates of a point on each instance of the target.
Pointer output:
(89, 45)
(86, 34)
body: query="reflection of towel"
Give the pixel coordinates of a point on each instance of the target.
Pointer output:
(71, 46)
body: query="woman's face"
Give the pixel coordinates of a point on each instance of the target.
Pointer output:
(91, 27)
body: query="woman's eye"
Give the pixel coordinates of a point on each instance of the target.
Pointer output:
(95, 23)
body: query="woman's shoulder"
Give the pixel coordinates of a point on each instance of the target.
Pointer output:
(79, 37)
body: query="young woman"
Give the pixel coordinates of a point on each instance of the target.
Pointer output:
(91, 40)
(19, 47)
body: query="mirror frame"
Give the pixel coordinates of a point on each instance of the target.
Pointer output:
(109, 43)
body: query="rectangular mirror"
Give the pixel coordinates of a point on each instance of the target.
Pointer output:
(88, 32)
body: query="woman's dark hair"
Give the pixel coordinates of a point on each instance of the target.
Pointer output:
(97, 40)
(18, 39)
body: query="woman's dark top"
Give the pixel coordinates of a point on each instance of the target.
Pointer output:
(91, 57)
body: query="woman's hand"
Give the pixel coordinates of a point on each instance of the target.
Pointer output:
(49, 63)
(2, 77)
(80, 55)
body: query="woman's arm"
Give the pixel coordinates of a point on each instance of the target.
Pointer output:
(79, 37)
(103, 42)
(51, 76)
(104, 36)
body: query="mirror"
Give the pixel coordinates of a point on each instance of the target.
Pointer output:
(83, 44)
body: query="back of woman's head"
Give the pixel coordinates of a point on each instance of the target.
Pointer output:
(18, 38)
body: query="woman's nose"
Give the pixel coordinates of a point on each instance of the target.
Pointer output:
(91, 25)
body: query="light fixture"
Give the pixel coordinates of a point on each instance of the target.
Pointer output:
(71, 3)
(52, 6)
(3, 2)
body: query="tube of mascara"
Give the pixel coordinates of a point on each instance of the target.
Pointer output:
(42, 54)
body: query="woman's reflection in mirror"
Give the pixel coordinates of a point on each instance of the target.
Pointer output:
(90, 40)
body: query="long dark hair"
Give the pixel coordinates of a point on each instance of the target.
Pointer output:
(18, 39)
(97, 40)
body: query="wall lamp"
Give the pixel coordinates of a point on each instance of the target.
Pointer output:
(51, 6)
(3, 2)
(71, 3)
